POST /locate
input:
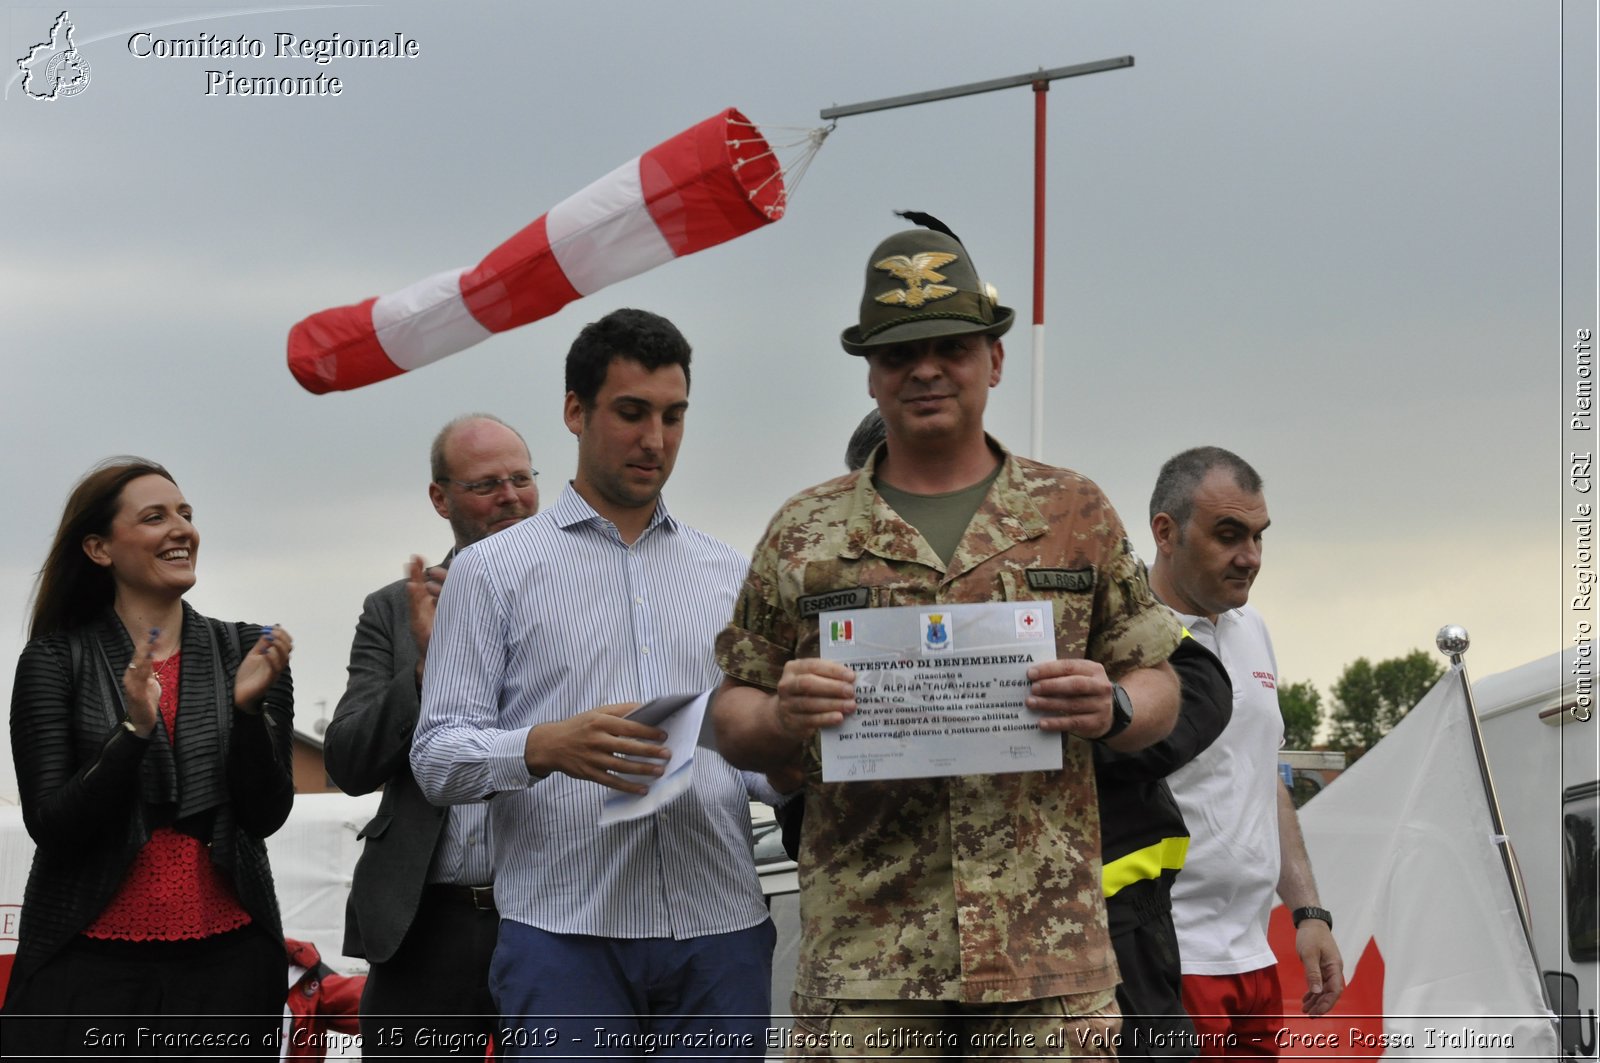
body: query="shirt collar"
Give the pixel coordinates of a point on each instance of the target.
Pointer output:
(1203, 623)
(571, 510)
(872, 523)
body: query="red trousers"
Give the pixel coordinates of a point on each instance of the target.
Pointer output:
(1235, 1015)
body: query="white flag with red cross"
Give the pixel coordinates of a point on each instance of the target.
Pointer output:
(1403, 849)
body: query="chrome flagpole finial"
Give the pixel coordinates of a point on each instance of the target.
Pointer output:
(1452, 641)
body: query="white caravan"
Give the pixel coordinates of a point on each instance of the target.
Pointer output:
(1539, 733)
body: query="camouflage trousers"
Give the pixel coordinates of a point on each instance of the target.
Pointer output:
(1085, 1026)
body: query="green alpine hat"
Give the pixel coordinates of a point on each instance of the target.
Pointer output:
(921, 284)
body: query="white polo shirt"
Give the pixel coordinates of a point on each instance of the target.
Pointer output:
(1229, 798)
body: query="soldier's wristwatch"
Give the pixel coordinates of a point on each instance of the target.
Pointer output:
(1121, 713)
(1312, 912)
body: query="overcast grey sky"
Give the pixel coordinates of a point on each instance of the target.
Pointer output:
(1326, 234)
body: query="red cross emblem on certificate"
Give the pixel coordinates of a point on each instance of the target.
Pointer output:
(1030, 623)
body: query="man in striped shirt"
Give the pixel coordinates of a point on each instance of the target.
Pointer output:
(547, 635)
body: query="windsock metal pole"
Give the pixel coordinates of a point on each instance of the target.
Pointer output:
(1040, 80)
(1036, 426)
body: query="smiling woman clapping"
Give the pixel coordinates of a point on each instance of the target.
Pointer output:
(152, 747)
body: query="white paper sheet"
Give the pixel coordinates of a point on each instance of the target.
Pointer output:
(681, 716)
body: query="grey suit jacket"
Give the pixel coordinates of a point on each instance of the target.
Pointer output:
(368, 745)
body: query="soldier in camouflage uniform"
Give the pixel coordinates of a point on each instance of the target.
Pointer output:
(962, 914)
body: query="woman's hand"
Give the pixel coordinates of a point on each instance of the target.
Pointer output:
(260, 668)
(141, 691)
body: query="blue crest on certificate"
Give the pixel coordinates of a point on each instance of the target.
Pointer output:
(939, 691)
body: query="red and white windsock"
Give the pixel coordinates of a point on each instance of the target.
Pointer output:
(710, 183)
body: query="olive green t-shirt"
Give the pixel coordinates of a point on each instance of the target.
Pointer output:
(941, 519)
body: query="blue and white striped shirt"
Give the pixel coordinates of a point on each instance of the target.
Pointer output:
(548, 619)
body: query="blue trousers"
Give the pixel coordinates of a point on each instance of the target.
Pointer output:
(575, 996)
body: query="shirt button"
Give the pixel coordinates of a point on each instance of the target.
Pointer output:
(644, 649)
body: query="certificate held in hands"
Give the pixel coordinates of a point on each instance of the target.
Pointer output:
(940, 690)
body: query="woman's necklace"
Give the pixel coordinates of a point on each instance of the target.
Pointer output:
(163, 669)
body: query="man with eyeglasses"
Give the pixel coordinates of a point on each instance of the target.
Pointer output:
(421, 908)
(952, 915)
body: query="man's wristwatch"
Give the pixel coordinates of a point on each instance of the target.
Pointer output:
(1300, 915)
(1121, 713)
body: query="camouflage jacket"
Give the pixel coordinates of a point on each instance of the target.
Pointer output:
(971, 888)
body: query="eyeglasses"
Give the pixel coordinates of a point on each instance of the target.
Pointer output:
(519, 481)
